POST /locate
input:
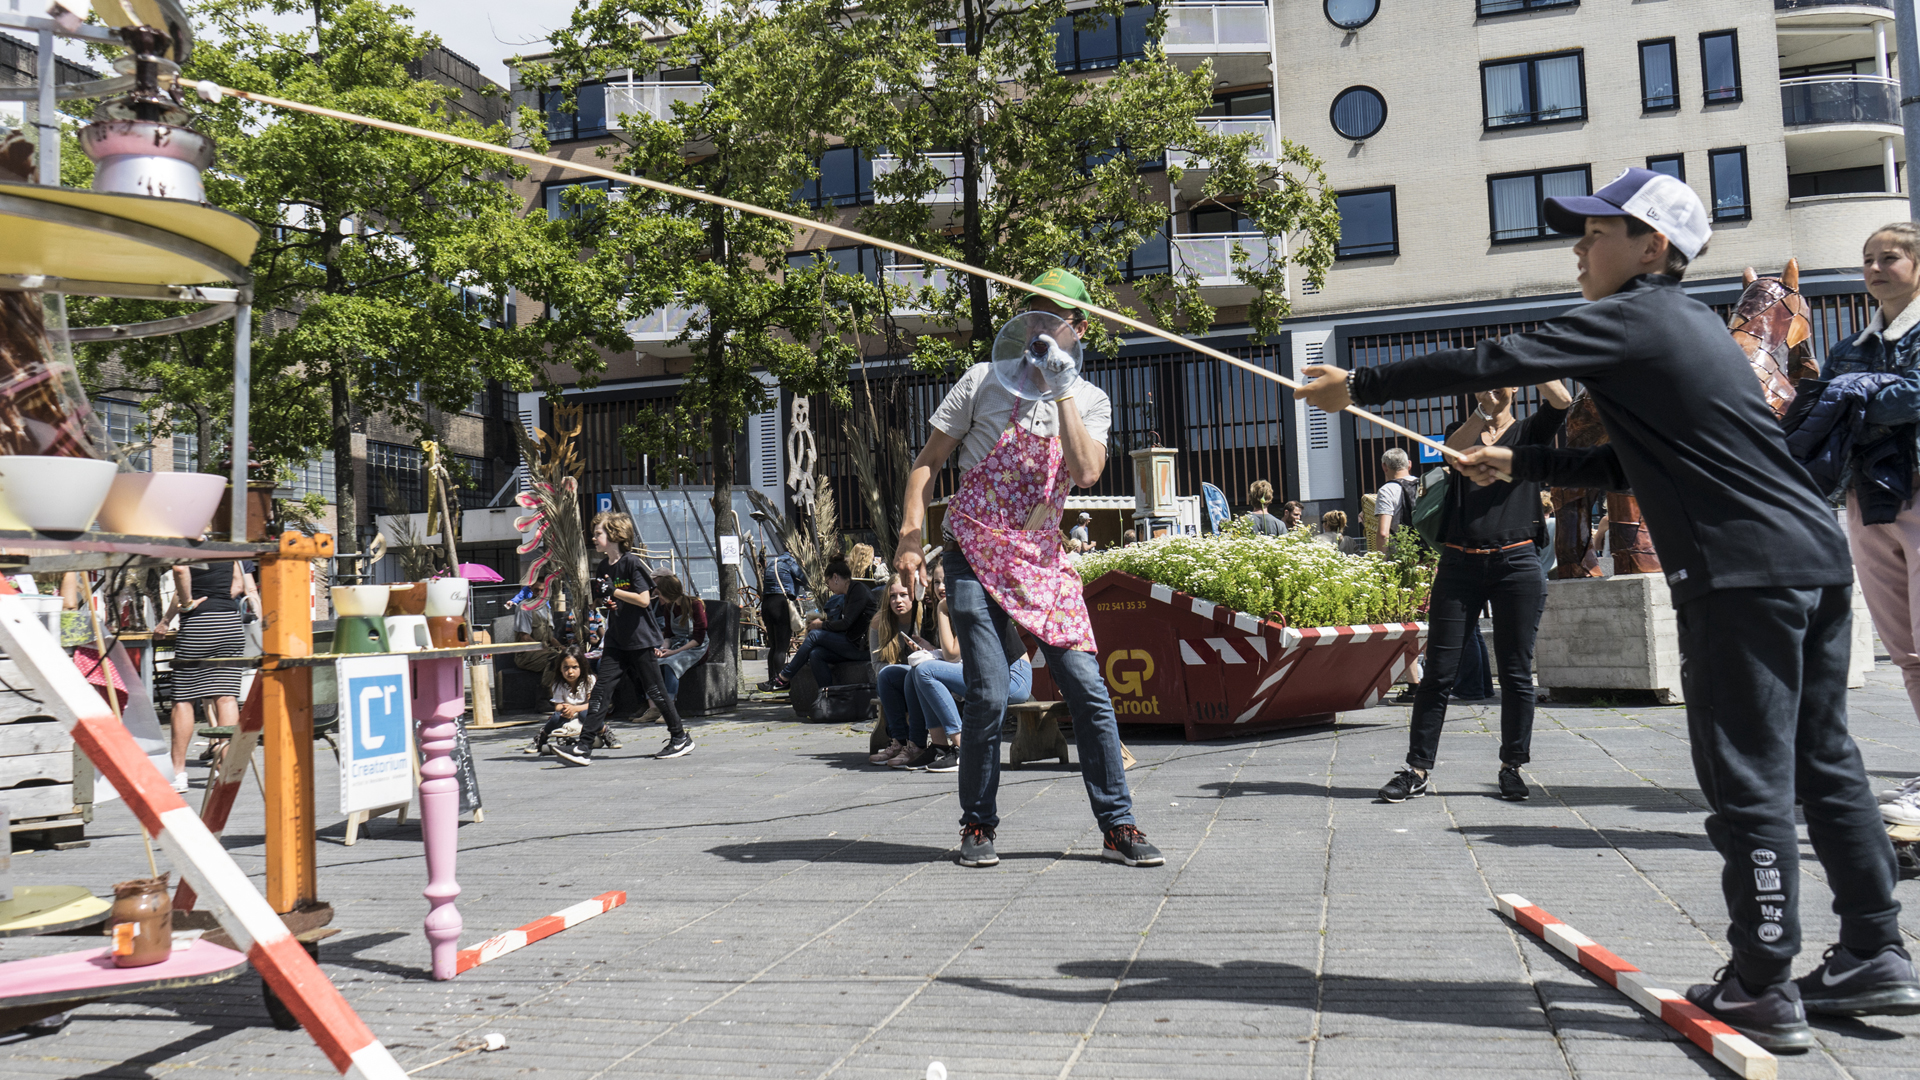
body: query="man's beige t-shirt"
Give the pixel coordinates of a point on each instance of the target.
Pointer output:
(978, 409)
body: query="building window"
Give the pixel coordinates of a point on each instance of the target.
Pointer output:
(479, 488)
(1105, 43)
(1351, 14)
(1508, 7)
(586, 120)
(1514, 200)
(846, 179)
(863, 261)
(1537, 90)
(1244, 103)
(1729, 171)
(564, 204)
(1218, 220)
(127, 424)
(1367, 225)
(186, 449)
(395, 467)
(1659, 76)
(1674, 165)
(316, 477)
(1867, 178)
(1720, 65)
(1154, 255)
(1358, 113)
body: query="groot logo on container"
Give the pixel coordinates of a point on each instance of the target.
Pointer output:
(1128, 673)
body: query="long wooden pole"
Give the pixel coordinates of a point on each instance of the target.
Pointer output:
(212, 91)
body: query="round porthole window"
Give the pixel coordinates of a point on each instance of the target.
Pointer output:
(1359, 112)
(1351, 14)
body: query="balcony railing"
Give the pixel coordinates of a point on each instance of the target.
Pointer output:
(663, 324)
(950, 166)
(1840, 99)
(1211, 28)
(654, 99)
(1262, 149)
(1802, 5)
(1209, 256)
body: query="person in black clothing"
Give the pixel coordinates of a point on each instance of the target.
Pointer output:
(836, 640)
(625, 588)
(781, 583)
(1488, 554)
(1760, 580)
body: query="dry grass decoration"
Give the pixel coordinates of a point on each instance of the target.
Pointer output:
(553, 521)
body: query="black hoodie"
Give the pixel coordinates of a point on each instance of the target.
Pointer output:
(1690, 434)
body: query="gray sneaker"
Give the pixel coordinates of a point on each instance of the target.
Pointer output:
(1774, 1017)
(976, 846)
(1846, 985)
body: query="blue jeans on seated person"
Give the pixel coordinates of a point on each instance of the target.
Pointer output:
(979, 623)
(936, 688)
(891, 687)
(820, 651)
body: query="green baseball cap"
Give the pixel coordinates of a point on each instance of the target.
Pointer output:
(1067, 288)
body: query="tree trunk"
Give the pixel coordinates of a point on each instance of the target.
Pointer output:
(203, 456)
(974, 18)
(346, 506)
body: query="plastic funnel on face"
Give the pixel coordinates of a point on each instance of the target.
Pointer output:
(1030, 347)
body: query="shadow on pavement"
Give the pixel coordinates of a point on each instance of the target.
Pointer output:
(1232, 789)
(1576, 837)
(346, 953)
(864, 852)
(183, 1046)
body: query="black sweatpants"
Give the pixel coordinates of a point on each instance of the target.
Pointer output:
(643, 668)
(1765, 676)
(1464, 584)
(778, 619)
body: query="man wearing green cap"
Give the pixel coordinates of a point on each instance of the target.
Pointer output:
(1020, 453)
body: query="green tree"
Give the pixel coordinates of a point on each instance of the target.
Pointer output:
(753, 313)
(381, 256)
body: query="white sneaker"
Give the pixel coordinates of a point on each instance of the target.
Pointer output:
(1904, 810)
(881, 757)
(180, 782)
(1893, 794)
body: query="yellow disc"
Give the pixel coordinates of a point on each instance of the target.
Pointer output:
(95, 236)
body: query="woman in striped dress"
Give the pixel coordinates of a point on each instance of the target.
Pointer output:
(209, 597)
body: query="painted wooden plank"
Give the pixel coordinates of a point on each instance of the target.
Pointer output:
(34, 738)
(38, 800)
(56, 765)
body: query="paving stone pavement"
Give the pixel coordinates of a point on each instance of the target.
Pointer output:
(1299, 928)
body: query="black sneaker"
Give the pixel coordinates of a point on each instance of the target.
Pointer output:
(573, 752)
(1406, 784)
(976, 846)
(605, 740)
(1512, 788)
(773, 685)
(922, 760)
(1774, 1017)
(678, 746)
(1404, 697)
(1126, 844)
(947, 761)
(1846, 985)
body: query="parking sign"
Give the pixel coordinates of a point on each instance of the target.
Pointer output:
(603, 503)
(376, 748)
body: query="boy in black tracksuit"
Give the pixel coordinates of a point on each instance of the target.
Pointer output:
(625, 586)
(1760, 578)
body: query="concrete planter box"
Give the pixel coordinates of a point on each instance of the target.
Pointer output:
(1619, 633)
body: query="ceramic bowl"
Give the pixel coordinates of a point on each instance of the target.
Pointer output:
(408, 633)
(407, 598)
(162, 504)
(54, 494)
(448, 631)
(447, 596)
(359, 600)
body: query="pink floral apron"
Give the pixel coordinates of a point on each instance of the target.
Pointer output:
(1023, 569)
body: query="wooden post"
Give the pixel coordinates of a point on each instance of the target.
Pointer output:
(287, 711)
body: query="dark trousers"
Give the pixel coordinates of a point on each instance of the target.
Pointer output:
(642, 669)
(1475, 677)
(820, 650)
(779, 623)
(1510, 581)
(1765, 676)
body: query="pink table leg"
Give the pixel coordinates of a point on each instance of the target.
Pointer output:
(438, 696)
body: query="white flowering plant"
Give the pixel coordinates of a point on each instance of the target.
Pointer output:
(1291, 577)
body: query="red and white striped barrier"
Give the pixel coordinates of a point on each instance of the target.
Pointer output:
(243, 913)
(503, 944)
(224, 786)
(1729, 1047)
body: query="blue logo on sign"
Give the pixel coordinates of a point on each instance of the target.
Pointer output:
(603, 503)
(1428, 455)
(378, 708)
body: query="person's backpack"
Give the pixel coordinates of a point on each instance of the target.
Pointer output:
(1425, 517)
(844, 704)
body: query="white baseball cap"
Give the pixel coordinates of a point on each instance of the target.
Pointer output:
(1663, 202)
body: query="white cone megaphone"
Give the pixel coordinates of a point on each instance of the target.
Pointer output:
(1037, 357)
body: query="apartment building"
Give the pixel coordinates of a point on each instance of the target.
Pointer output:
(1441, 125)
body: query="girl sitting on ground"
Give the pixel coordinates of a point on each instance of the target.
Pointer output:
(572, 691)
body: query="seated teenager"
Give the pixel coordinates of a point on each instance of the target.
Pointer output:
(836, 640)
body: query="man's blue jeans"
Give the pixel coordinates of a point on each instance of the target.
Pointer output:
(820, 651)
(979, 622)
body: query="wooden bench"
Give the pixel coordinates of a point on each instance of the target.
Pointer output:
(1036, 736)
